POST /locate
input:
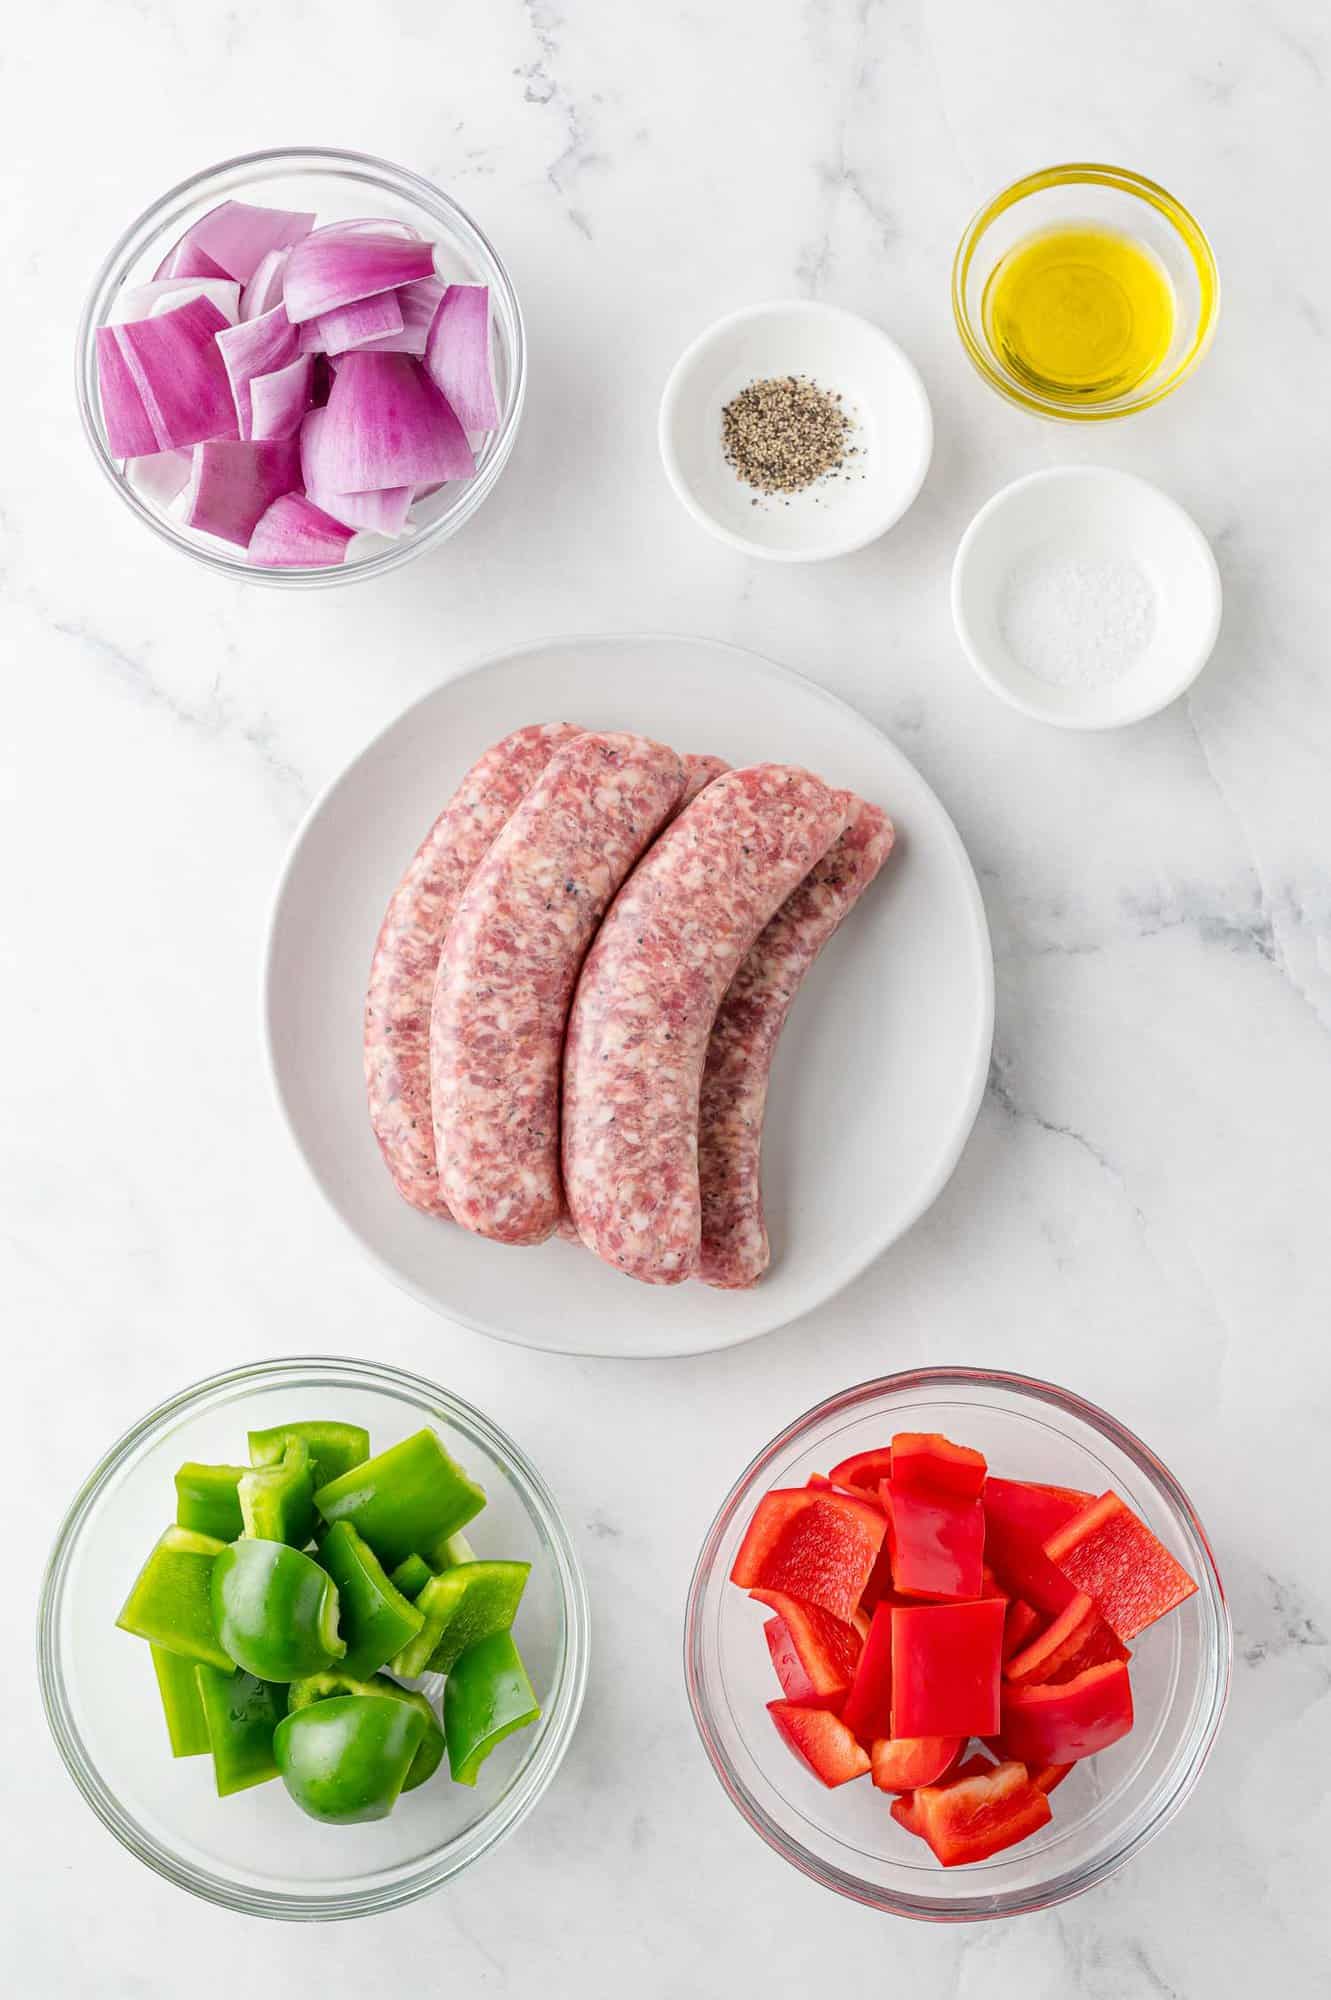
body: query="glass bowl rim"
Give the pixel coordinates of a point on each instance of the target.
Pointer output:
(408, 186)
(1095, 174)
(495, 1824)
(1192, 1758)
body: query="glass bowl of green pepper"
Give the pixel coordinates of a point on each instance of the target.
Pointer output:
(245, 1577)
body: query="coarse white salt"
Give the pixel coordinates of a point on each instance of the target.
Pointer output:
(1076, 621)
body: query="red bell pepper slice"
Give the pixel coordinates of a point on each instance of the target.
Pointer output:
(967, 1819)
(946, 1665)
(822, 1484)
(937, 1542)
(865, 1469)
(1018, 1520)
(1099, 1645)
(821, 1741)
(924, 1458)
(789, 1668)
(1073, 1495)
(903, 1763)
(867, 1709)
(1050, 1778)
(1061, 1640)
(1061, 1721)
(879, 1586)
(903, 1808)
(810, 1544)
(1020, 1625)
(1111, 1554)
(826, 1649)
(1078, 1638)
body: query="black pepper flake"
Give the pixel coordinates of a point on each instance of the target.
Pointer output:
(782, 433)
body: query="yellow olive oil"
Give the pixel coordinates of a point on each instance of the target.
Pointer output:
(1079, 312)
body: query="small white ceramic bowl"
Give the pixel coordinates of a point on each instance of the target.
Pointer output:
(839, 351)
(1088, 514)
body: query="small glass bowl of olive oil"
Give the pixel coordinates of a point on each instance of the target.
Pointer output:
(1085, 292)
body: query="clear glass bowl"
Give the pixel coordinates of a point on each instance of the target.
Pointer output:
(256, 1852)
(1110, 1806)
(336, 187)
(1118, 200)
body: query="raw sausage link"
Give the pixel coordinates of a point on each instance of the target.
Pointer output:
(647, 998)
(508, 968)
(735, 1248)
(397, 1004)
(699, 770)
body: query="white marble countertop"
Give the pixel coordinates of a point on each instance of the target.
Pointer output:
(1142, 1211)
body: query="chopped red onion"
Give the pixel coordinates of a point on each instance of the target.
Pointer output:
(356, 325)
(338, 265)
(295, 534)
(389, 426)
(160, 475)
(457, 356)
(128, 431)
(292, 389)
(264, 290)
(418, 303)
(185, 260)
(142, 301)
(384, 512)
(237, 235)
(256, 347)
(231, 486)
(279, 401)
(177, 368)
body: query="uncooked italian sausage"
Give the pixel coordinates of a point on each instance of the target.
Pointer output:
(699, 770)
(735, 1248)
(507, 971)
(670, 946)
(397, 1003)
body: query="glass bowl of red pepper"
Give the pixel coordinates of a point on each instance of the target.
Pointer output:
(253, 1851)
(785, 1673)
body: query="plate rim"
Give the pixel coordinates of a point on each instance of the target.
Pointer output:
(650, 1349)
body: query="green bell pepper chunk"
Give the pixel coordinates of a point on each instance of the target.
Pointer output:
(438, 1604)
(411, 1577)
(171, 1603)
(207, 1501)
(242, 1714)
(275, 1610)
(334, 1448)
(405, 1500)
(486, 1697)
(186, 1724)
(485, 1598)
(325, 1687)
(277, 1501)
(375, 1619)
(346, 1760)
(453, 1549)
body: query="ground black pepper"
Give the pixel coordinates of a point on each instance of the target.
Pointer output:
(784, 432)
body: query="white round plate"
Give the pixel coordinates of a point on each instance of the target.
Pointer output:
(1089, 512)
(880, 389)
(881, 1067)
